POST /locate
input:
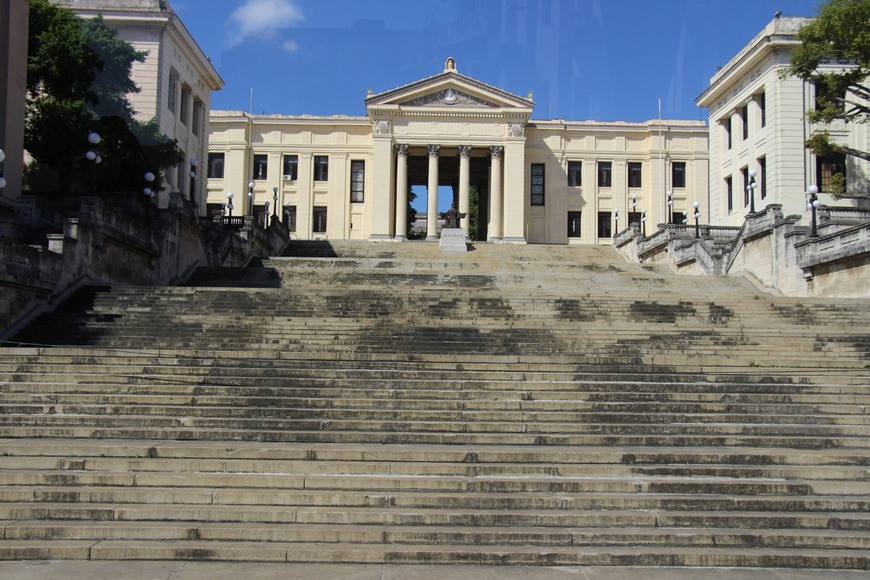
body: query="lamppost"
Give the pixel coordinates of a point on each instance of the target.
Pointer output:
(696, 205)
(251, 198)
(633, 208)
(192, 175)
(2, 159)
(275, 202)
(670, 205)
(230, 203)
(149, 178)
(266, 215)
(643, 222)
(616, 220)
(751, 189)
(813, 204)
(92, 155)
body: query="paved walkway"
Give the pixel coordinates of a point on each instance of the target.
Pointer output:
(109, 570)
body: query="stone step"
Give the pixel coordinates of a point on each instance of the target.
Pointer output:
(410, 553)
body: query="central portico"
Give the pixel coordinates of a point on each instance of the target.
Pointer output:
(449, 116)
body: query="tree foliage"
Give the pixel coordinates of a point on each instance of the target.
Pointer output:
(839, 36)
(78, 81)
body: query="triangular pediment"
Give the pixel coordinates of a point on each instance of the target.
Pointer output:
(446, 91)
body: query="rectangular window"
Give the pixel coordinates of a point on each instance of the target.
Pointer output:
(729, 193)
(762, 174)
(290, 217)
(180, 177)
(727, 126)
(574, 174)
(744, 118)
(762, 108)
(678, 174)
(357, 181)
(635, 174)
(604, 225)
(827, 98)
(172, 93)
(291, 167)
(261, 167)
(831, 173)
(573, 224)
(537, 183)
(745, 173)
(184, 106)
(215, 165)
(321, 168)
(604, 174)
(197, 116)
(319, 225)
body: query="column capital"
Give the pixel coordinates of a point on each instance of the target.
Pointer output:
(496, 151)
(402, 149)
(464, 150)
(434, 150)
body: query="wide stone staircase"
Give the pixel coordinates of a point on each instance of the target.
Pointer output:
(390, 403)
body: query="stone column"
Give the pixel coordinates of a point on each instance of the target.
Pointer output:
(432, 193)
(464, 173)
(383, 172)
(495, 194)
(401, 192)
(514, 206)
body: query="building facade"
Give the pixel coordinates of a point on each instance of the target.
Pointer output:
(550, 181)
(175, 81)
(758, 128)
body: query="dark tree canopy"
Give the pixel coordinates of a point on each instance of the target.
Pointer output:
(78, 81)
(840, 35)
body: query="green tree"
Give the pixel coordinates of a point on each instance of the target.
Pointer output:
(473, 212)
(78, 81)
(412, 215)
(840, 33)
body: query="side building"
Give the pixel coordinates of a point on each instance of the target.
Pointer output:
(758, 128)
(175, 80)
(549, 181)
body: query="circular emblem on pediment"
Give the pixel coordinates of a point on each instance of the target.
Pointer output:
(382, 127)
(450, 96)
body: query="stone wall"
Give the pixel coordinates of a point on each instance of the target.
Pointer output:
(770, 249)
(106, 246)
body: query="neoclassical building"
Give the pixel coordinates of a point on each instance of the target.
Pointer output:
(539, 181)
(758, 125)
(175, 80)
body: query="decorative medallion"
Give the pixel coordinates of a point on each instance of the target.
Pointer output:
(382, 127)
(516, 129)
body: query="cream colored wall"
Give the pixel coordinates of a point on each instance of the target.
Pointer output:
(557, 143)
(240, 137)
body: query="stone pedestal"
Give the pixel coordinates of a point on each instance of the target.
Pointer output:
(453, 240)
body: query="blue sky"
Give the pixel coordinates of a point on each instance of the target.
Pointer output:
(582, 59)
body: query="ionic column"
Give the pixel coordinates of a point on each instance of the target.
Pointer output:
(495, 194)
(401, 191)
(464, 172)
(432, 194)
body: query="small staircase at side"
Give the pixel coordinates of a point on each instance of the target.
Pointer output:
(387, 403)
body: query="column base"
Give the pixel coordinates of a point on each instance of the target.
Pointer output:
(431, 238)
(400, 238)
(493, 240)
(514, 240)
(379, 238)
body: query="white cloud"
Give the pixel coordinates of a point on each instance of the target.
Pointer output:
(263, 18)
(290, 46)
